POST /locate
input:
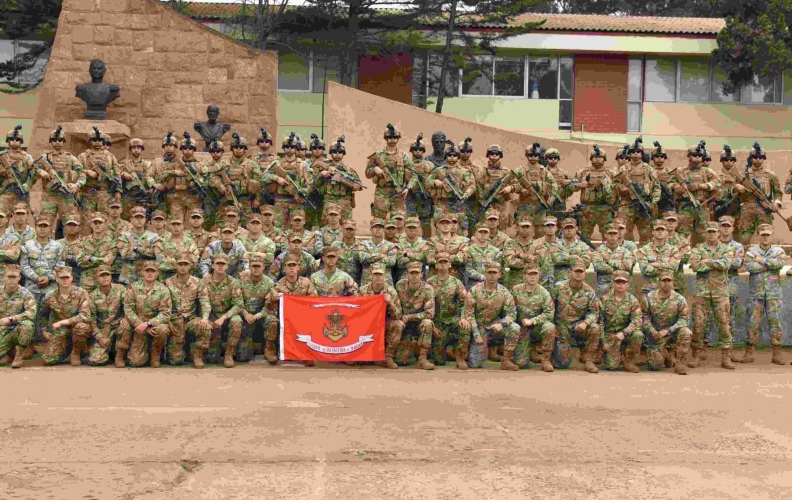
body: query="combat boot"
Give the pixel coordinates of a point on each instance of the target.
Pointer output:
(461, 353)
(269, 352)
(748, 356)
(450, 354)
(423, 363)
(228, 362)
(19, 358)
(28, 351)
(154, 357)
(693, 362)
(726, 361)
(310, 363)
(671, 358)
(643, 360)
(588, 364)
(703, 354)
(777, 359)
(507, 363)
(536, 356)
(120, 361)
(389, 363)
(547, 366)
(629, 358)
(198, 358)
(680, 367)
(76, 352)
(493, 354)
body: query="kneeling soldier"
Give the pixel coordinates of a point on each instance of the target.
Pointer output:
(18, 311)
(418, 309)
(451, 328)
(293, 284)
(184, 290)
(257, 292)
(221, 303)
(393, 312)
(535, 313)
(108, 301)
(620, 321)
(67, 311)
(666, 320)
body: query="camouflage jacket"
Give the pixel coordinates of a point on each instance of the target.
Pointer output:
(764, 282)
(92, 253)
(10, 250)
(712, 279)
(237, 258)
(76, 308)
(696, 175)
(416, 251)
(450, 299)
(419, 304)
(308, 265)
(295, 170)
(531, 181)
(574, 306)
(603, 194)
(606, 261)
(561, 176)
(141, 305)
(348, 259)
(303, 286)
(397, 169)
(257, 295)
(201, 239)
(96, 161)
(71, 249)
(327, 236)
(184, 296)
(670, 314)
(311, 241)
(544, 251)
(384, 252)
(108, 308)
(170, 250)
(23, 236)
(37, 261)
(486, 307)
(501, 241)
(537, 305)
(137, 168)
(67, 166)
(442, 196)
(643, 175)
(736, 264)
(333, 189)
(476, 258)
(133, 247)
(338, 284)
(20, 303)
(487, 178)
(263, 246)
(394, 307)
(653, 259)
(223, 298)
(23, 163)
(615, 316)
(770, 186)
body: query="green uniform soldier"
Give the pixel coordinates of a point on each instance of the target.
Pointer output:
(445, 182)
(657, 255)
(565, 184)
(293, 284)
(290, 181)
(693, 187)
(523, 252)
(16, 171)
(727, 224)
(146, 324)
(260, 326)
(162, 175)
(711, 261)
(98, 249)
(256, 243)
(391, 172)
(498, 238)
(474, 169)
(172, 244)
(67, 313)
(569, 247)
(212, 173)
(116, 226)
(19, 226)
(265, 156)
(545, 248)
(666, 324)
(535, 316)
(184, 291)
(764, 262)
(133, 171)
(418, 310)
(452, 329)
(636, 183)
(331, 281)
(620, 321)
(628, 244)
(108, 309)
(451, 243)
(135, 245)
(609, 258)
(17, 316)
(311, 242)
(339, 182)
(314, 165)
(494, 185)
(682, 244)
(200, 236)
(72, 242)
(307, 264)
(492, 309)
(537, 189)
(479, 252)
(596, 193)
(377, 249)
(103, 183)
(332, 231)
(420, 201)
(62, 178)
(242, 188)
(663, 177)
(10, 245)
(393, 311)
(577, 312)
(413, 248)
(348, 260)
(38, 259)
(237, 261)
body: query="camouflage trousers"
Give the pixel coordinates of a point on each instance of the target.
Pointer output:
(772, 309)
(213, 342)
(541, 337)
(175, 352)
(448, 334)
(61, 339)
(19, 334)
(138, 344)
(568, 338)
(613, 347)
(413, 337)
(751, 216)
(720, 309)
(344, 203)
(386, 200)
(596, 216)
(98, 355)
(253, 336)
(690, 217)
(633, 218)
(56, 205)
(733, 309)
(657, 349)
(283, 208)
(508, 337)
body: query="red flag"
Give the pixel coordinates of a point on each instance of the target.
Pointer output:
(332, 328)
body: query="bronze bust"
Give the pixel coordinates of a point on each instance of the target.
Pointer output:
(438, 145)
(97, 95)
(211, 130)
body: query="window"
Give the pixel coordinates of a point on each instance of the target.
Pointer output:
(634, 94)
(433, 76)
(294, 72)
(694, 80)
(661, 80)
(762, 91)
(543, 77)
(477, 79)
(717, 95)
(566, 83)
(6, 51)
(510, 76)
(322, 64)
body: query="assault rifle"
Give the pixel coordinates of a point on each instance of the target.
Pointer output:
(59, 186)
(199, 186)
(637, 190)
(17, 187)
(490, 196)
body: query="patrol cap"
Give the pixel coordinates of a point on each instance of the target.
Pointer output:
(390, 222)
(726, 220)
(97, 216)
(665, 274)
(765, 229)
(670, 215)
(255, 218)
(137, 211)
(377, 221)
(412, 222)
(493, 213)
(712, 226)
(620, 275)
(578, 263)
(414, 265)
(492, 265)
(330, 251)
(443, 256)
(220, 257)
(151, 264)
(378, 268)
(611, 227)
(71, 219)
(44, 220)
(333, 208)
(226, 229)
(297, 214)
(115, 204)
(349, 224)
(531, 267)
(550, 221)
(291, 259)
(63, 272)
(103, 269)
(185, 257)
(569, 222)
(20, 208)
(158, 214)
(659, 223)
(295, 237)
(398, 214)
(13, 269)
(444, 217)
(524, 220)
(255, 259)
(231, 212)
(482, 229)
(267, 209)
(196, 211)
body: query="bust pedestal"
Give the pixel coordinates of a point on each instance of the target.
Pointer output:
(78, 132)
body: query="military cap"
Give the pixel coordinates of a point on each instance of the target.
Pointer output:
(659, 223)
(524, 220)
(20, 208)
(136, 142)
(418, 144)
(220, 257)
(390, 222)
(301, 144)
(412, 222)
(569, 221)
(333, 208)
(495, 149)
(158, 214)
(713, 226)
(291, 259)
(377, 268)
(414, 265)
(552, 152)
(391, 131)
(622, 224)
(137, 211)
(115, 204)
(297, 213)
(3, 212)
(726, 220)
(188, 142)
(216, 146)
(255, 258)
(493, 213)
(349, 223)
(264, 136)
(71, 219)
(578, 263)
(169, 139)
(97, 216)
(45, 218)
(103, 269)
(16, 134)
(13, 269)
(620, 275)
(465, 147)
(482, 227)
(290, 140)
(255, 217)
(398, 214)
(665, 274)
(295, 237)
(57, 133)
(231, 211)
(442, 217)
(196, 211)
(451, 150)
(611, 227)
(176, 215)
(531, 266)
(765, 229)
(330, 251)
(670, 215)
(63, 271)
(377, 221)
(226, 229)
(185, 257)
(338, 145)
(443, 256)
(550, 221)
(150, 264)
(492, 265)
(316, 142)
(267, 209)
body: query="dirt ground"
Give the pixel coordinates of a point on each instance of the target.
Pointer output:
(338, 432)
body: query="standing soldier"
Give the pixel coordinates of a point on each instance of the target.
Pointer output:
(134, 180)
(196, 231)
(330, 232)
(311, 241)
(452, 329)
(331, 281)
(19, 227)
(236, 255)
(263, 159)
(620, 321)
(18, 312)
(103, 183)
(640, 193)
(389, 169)
(116, 226)
(147, 310)
(237, 176)
(62, 177)
(479, 252)
(418, 309)
(474, 169)
(95, 251)
(38, 259)
(693, 187)
(544, 249)
(136, 245)
(348, 260)
(752, 211)
(66, 309)
(172, 244)
(420, 201)
(622, 158)
(565, 184)
(682, 251)
(72, 242)
(413, 248)
(191, 188)
(494, 186)
(609, 258)
(711, 261)
(16, 175)
(338, 182)
(308, 265)
(451, 243)
(569, 247)
(535, 315)
(256, 243)
(376, 249)
(292, 284)
(393, 311)
(537, 188)
(661, 173)
(162, 175)
(666, 320)
(444, 183)
(522, 252)
(657, 255)
(498, 238)
(764, 261)
(211, 171)
(727, 201)
(10, 245)
(726, 232)
(259, 323)
(106, 314)
(597, 194)
(184, 291)
(577, 312)
(291, 182)
(314, 165)
(492, 309)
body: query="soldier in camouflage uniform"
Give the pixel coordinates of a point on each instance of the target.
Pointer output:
(390, 231)
(172, 244)
(413, 248)
(98, 249)
(116, 226)
(420, 201)
(15, 162)
(108, 309)
(565, 184)
(628, 244)
(657, 255)
(158, 226)
(568, 248)
(136, 245)
(10, 245)
(237, 261)
(196, 231)
(331, 232)
(391, 172)
(577, 312)
(19, 226)
(726, 231)
(535, 315)
(727, 201)
(147, 311)
(393, 311)
(487, 180)
(133, 173)
(265, 156)
(256, 243)
(239, 179)
(162, 175)
(38, 259)
(682, 251)
(347, 250)
(311, 242)
(660, 171)
(260, 326)
(711, 261)
(693, 186)
(452, 329)
(72, 242)
(103, 183)
(418, 310)
(314, 165)
(596, 193)
(474, 169)
(308, 265)
(666, 320)
(498, 238)
(620, 321)
(638, 177)
(479, 252)
(67, 313)
(440, 182)
(211, 171)
(609, 258)
(450, 243)
(331, 281)
(18, 313)
(292, 284)
(184, 291)
(537, 188)
(284, 174)
(523, 252)
(764, 262)
(544, 248)
(492, 309)
(376, 249)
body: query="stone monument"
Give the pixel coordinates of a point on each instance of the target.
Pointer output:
(438, 145)
(211, 130)
(97, 94)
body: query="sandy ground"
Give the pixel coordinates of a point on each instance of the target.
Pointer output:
(336, 432)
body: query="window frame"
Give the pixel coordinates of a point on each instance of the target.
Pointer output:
(567, 126)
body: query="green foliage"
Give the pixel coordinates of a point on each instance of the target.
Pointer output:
(26, 19)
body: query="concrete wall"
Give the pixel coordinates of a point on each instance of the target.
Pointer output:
(523, 115)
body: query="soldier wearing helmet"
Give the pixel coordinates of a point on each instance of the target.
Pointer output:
(339, 182)
(565, 184)
(596, 193)
(442, 182)
(486, 185)
(537, 189)
(392, 172)
(103, 183)
(22, 164)
(290, 179)
(637, 180)
(659, 159)
(134, 170)
(752, 212)
(694, 186)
